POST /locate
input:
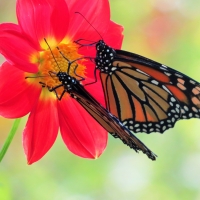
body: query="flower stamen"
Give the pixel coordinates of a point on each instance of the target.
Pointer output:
(55, 61)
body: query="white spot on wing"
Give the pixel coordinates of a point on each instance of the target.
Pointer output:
(191, 81)
(124, 123)
(113, 68)
(164, 66)
(154, 82)
(168, 74)
(186, 108)
(177, 110)
(194, 109)
(178, 75)
(182, 111)
(190, 115)
(166, 89)
(142, 72)
(173, 99)
(131, 127)
(157, 125)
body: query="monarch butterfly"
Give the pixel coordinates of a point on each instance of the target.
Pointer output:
(144, 95)
(72, 86)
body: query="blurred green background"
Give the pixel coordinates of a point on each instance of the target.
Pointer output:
(167, 31)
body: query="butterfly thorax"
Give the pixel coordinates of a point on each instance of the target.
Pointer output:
(67, 81)
(104, 58)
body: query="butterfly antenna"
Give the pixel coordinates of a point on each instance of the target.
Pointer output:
(90, 24)
(35, 77)
(69, 62)
(52, 54)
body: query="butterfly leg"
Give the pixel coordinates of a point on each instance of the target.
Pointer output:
(43, 84)
(82, 78)
(61, 96)
(84, 45)
(95, 78)
(54, 89)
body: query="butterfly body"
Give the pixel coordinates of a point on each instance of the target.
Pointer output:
(99, 113)
(145, 95)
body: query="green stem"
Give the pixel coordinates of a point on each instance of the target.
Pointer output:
(9, 138)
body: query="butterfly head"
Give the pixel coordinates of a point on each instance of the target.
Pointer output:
(100, 46)
(66, 80)
(104, 57)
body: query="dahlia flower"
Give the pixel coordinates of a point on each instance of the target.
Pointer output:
(27, 55)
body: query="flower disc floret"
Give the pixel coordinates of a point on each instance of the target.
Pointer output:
(28, 55)
(62, 58)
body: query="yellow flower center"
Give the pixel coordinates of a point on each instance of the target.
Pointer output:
(55, 61)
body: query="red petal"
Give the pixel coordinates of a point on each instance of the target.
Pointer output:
(43, 19)
(41, 130)
(114, 36)
(96, 12)
(9, 27)
(96, 90)
(17, 48)
(17, 97)
(80, 132)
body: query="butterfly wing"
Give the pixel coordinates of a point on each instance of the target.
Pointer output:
(108, 121)
(185, 89)
(145, 95)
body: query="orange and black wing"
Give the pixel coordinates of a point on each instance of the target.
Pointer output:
(145, 95)
(109, 122)
(99, 113)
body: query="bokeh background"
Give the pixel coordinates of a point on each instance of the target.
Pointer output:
(167, 31)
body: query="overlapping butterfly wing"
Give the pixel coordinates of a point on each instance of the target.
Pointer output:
(108, 121)
(185, 89)
(145, 95)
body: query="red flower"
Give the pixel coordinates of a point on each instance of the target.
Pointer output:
(27, 54)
